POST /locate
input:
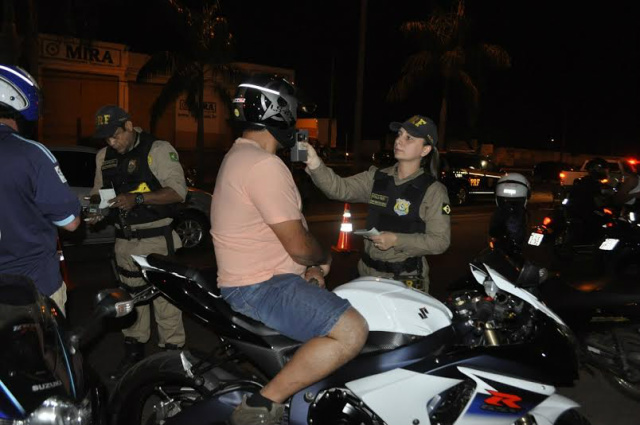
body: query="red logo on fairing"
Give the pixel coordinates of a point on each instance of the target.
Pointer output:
(503, 400)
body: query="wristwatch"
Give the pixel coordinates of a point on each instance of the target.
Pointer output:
(139, 199)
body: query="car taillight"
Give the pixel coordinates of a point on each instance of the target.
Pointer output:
(562, 176)
(546, 221)
(607, 211)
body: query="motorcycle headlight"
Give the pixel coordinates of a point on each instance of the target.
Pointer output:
(55, 411)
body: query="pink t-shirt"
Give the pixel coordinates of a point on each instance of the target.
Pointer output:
(253, 189)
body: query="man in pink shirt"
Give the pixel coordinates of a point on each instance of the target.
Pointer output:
(270, 267)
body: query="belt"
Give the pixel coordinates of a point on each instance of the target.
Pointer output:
(395, 267)
(129, 273)
(144, 233)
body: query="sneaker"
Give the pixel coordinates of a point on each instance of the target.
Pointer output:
(249, 415)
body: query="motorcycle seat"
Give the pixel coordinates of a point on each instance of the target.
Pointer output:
(206, 279)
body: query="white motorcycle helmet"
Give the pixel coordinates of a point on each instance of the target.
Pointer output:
(512, 189)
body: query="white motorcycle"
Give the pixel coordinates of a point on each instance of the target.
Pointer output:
(492, 356)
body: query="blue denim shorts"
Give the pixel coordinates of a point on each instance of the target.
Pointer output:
(288, 304)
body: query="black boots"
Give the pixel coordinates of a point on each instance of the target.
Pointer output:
(133, 353)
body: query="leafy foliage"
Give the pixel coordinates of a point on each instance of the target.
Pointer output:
(445, 52)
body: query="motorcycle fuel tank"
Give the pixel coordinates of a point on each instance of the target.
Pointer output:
(391, 306)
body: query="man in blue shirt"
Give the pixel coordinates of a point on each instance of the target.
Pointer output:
(36, 199)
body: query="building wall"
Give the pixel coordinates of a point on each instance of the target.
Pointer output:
(79, 77)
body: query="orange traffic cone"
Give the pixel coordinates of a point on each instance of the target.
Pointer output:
(344, 240)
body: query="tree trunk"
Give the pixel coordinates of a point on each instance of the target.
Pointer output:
(200, 135)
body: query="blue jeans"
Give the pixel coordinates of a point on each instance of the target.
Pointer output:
(288, 304)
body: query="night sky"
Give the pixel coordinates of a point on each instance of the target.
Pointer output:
(575, 65)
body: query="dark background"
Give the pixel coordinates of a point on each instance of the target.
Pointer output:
(574, 73)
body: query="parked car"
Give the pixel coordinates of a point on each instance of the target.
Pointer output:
(617, 168)
(468, 175)
(549, 171)
(78, 164)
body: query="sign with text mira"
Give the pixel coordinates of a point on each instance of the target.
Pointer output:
(75, 51)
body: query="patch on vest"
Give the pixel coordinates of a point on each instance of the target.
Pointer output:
(173, 156)
(401, 207)
(59, 171)
(131, 167)
(379, 200)
(142, 188)
(112, 163)
(446, 209)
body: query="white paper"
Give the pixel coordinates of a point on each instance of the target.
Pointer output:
(366, 233)
(609, 244)
(105, 196)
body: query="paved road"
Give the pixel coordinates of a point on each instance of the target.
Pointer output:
(90, 271)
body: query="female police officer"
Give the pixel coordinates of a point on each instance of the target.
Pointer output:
(406, 204)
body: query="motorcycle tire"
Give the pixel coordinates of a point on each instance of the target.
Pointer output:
(160, 376)
(571, 417)
(628, 385)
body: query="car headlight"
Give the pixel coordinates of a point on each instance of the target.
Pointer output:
(55, 411)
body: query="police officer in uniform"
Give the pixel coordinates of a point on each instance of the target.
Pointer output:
(149, 184)
(508, 225)
(407, 204)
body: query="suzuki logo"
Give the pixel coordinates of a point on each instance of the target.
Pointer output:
(423, 313)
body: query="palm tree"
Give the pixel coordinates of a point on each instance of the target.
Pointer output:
(446, 53)
(204, 58)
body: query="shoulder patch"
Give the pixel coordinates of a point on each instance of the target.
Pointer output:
(173, 156)
(446, 209)
(59, 171)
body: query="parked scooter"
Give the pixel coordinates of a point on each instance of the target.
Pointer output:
(43, 379)
(489, 356)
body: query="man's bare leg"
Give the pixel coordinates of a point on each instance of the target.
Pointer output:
(320, 356)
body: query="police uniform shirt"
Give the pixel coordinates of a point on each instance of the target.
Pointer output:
(164, 164)
(434, 210)
(35, 198)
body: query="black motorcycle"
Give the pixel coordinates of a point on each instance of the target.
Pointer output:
(491, 354)
(619, 249)
(606, 322)
(43, 379)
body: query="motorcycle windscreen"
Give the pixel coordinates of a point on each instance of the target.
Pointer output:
(33, 363)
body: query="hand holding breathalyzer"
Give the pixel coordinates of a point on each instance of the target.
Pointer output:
(313, 160)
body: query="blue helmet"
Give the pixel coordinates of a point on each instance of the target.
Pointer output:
(19, 91)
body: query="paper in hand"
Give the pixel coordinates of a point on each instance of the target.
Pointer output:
(366, 233)
(105, 196)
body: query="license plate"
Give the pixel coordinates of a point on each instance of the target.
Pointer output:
(608, 244)
(535, 239)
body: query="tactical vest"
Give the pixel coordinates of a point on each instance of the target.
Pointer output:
(397, 208)
(130, 173)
